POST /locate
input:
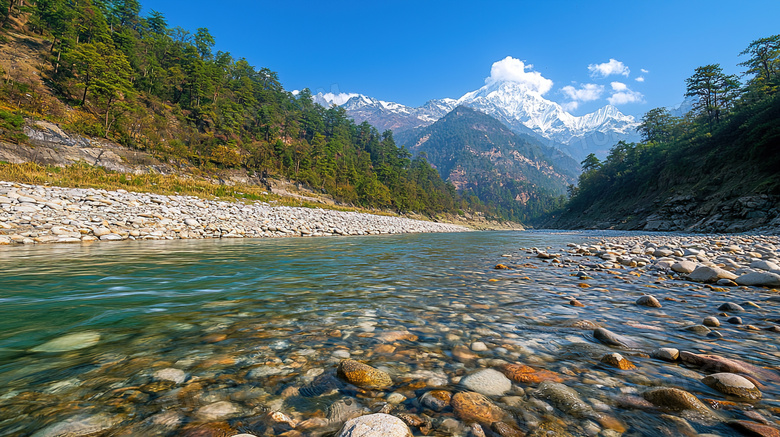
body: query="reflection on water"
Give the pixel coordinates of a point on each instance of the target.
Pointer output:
(251, 321)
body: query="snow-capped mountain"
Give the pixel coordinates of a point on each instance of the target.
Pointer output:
(515, 105)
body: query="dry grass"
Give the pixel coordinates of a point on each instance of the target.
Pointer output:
(86, 176)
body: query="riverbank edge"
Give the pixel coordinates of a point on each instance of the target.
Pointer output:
(37, 214)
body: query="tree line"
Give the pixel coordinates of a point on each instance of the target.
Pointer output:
(138, 81)
(730, 126)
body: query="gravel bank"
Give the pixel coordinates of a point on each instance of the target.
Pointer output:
(33, 214)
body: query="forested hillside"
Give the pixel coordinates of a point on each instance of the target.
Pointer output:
(716, 168)
(110, 72)
(511, 174)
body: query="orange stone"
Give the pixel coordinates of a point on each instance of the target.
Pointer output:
(529, 375)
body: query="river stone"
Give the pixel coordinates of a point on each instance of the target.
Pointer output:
(749, 428)
(82, 425)
(616, 360)
(732, 384)
(710, 274)
(375, 425)
(528, 375)
(436, 400)
(684, 267)
(610, 338)
(648, 301)
(170, 374)
(735, 320)
(488, 382)
(344, 409)
(717, 364)
(711, 321)
(565, 399)
(674, 399)
(666, 354)
(470, 407)
(764, 265)
(363, 375)
(218, 410)
(759, 279)
(730, 307)
(69, 342)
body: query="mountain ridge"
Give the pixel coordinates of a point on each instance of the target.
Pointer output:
(521, 109)
(479, 155)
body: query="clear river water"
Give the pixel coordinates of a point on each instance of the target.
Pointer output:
(211, 337)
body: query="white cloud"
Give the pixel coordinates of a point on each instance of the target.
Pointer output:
(618, 86)
(644, 71)
(586, 93)
(514, 70)
(608, 69)
(640, 79)
(622, 95)
(570, 106)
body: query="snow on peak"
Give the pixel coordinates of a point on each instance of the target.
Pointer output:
(514, 102)
(329, 99)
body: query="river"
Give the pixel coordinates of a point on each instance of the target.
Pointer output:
(88, 332)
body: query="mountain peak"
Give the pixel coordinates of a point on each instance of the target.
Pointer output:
(515, 104)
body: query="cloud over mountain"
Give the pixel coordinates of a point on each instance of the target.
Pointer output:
(514, 70)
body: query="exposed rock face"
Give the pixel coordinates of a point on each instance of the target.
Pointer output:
(716, 213)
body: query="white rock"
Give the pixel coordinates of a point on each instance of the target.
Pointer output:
(375, 425)
(177, 376)
(762, 279)
(488, 382)
(764, 265)
(218, 410)
(684, 266)
(710, 274)
(70, 342)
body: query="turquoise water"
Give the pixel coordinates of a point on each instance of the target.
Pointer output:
(249, 320)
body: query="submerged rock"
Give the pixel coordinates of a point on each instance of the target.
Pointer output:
(528, 375)
(674, 399)
(70, 342)
(610, 338)
(363, 375)
(470, 406)
(488, 382)
(565, 399)
(82, 425)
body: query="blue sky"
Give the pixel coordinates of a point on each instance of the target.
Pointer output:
(413, 51)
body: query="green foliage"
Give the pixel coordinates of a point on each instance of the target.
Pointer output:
(148, 86)
(11, 127)
(509, 176)
(731, 139)
(763, 64)
(715, 92)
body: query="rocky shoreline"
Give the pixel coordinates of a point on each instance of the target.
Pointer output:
(34, 214)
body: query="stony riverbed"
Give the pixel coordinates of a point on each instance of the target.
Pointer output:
(31, 214)
(603, 337)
